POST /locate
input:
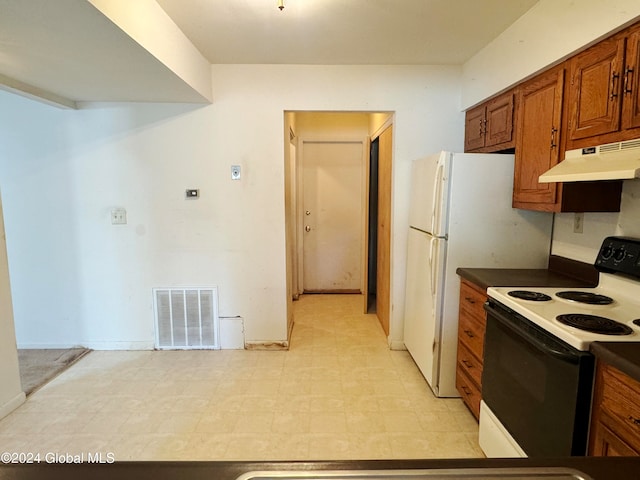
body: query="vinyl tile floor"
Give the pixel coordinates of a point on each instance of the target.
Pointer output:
(338, 393)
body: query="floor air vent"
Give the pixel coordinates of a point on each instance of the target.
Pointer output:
(186, 318)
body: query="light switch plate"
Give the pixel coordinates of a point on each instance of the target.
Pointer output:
(235, 172)
(118, 216)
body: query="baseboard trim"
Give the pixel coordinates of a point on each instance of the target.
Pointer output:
(284, 345)
(397, 345)
(12, 404)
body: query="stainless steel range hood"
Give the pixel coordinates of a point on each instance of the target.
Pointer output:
(613, 161)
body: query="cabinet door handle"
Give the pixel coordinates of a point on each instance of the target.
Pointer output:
(614, 80)
(554, 130)
(628, 74)
(635, 421)
(469, 333)
(470, 300)
(466, 390)
(467, 363)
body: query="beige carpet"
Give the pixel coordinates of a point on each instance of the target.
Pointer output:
(37, 366)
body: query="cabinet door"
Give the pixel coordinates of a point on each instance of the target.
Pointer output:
(537, 139)
(596, 85)
(474, 129)
(605, 443)
(631, 84)
(499, 121)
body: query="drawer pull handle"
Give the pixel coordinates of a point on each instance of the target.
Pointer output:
(469, 333)
(636, 421)
(467, 363)
(466, 390)
(470, 300)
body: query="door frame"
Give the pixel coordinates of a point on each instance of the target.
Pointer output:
(365, 142)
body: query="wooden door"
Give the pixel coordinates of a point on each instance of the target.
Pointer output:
(631, 83)
(596, 86)
(474, 129)
(383, 272)
(499, 121)
(332, 216)
(537, 139)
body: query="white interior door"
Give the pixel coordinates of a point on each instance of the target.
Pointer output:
(332, 216)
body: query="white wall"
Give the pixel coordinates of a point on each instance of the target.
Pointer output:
(584, 246)
(77, 279)
(551, 31)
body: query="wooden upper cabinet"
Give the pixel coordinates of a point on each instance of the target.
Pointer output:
(631, 83)
(499, 124)
(489, 127)
(474, 128)
(539, 131)
(605, 91)
(537, 139)
(596, 87)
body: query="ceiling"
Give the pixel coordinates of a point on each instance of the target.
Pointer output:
(343, 32)
(67, 51)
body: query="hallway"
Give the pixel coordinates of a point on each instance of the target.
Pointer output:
(338, 393)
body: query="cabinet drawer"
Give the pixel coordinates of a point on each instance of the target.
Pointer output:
(469, 364)
(472, 301)
(469, 392)
(471, 334)
(621, 402)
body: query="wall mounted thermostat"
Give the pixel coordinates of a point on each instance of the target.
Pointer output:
(235, 172)
(192, 193)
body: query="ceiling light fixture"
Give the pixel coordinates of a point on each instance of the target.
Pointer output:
(281, 4)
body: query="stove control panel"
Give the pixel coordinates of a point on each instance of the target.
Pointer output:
(619, 255)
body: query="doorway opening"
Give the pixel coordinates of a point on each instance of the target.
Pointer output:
(338, 206)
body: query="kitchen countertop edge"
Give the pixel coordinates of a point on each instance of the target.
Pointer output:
(599, 468)
(625, 356)
(561, 272)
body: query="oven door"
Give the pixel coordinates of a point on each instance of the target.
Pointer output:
(537, 386)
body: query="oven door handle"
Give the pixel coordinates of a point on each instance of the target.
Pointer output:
(552, 347)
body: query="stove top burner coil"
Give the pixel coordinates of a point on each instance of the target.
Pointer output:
(594, 324)
(529, 295)
(585, 297)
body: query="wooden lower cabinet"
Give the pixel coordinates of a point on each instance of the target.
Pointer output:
(615, 419)
(471, 327)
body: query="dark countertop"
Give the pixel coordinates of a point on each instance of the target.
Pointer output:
(625, 356)
(599, 468)
(561, 272)
(501, 277)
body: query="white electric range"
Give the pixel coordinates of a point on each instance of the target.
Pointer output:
(538, 372)
(578, 316)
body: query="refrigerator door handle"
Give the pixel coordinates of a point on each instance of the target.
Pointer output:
(437, 201)
(432, 270)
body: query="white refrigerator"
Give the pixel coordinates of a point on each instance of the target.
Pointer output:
(460, 215)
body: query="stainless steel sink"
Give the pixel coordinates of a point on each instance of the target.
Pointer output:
(534, 473)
